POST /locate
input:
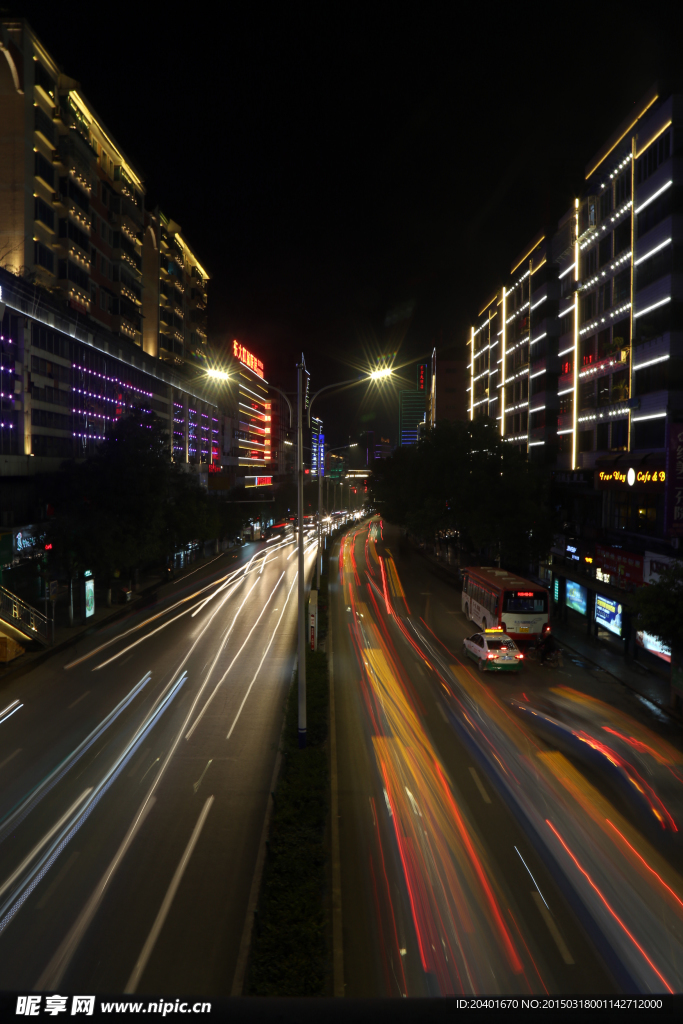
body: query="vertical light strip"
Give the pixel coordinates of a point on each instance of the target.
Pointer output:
(575, 396)
(472, 374)
(633, 277)
(528, 373)
(489, 360)
(502, 370)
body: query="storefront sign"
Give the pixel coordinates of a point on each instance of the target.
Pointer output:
(624, 564)
(28, 541)
(577, 597)
(258, 481)
(608, 613)
(673, 525)
(630, 477)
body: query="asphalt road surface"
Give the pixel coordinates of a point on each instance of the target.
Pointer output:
(135, 770)
(475, 856)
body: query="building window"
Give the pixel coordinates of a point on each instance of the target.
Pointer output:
(619, 435)
(653, 157)
(605, 205)
(44, 170)
(605, 249)
(602, 437)
(43, 257)
(43, 213)
(622, 236)
(622, 188)
(649, 433)
(585, 440)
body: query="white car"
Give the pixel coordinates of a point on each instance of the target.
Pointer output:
(493, 650)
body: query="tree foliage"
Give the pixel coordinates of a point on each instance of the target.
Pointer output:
(129, 505)
(462, 477)
(660, 606)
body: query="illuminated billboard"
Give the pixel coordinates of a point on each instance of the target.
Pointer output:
(577, 597)
(608, 613)
(258, 481)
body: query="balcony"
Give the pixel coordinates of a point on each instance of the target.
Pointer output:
(617, 360)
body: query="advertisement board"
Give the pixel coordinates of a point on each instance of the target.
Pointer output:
(608, 613)
(577, 597)
(89, 597)
(654, 645)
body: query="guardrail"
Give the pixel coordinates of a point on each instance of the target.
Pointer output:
(28, 620)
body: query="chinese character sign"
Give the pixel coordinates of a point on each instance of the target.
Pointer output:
(247, 357)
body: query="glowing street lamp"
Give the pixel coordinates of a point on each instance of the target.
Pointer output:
(217, 374)
(379, 374)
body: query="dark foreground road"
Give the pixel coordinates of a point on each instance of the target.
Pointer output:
(134, 778)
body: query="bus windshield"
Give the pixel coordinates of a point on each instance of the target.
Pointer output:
(525, 601)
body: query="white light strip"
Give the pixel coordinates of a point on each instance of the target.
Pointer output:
(532, 443)
(655, 305)
(537, 374)
(569, 309)
(539, 303)
(539, 408)
(567, 271)
(539, 338)
(653, 197)
(565, 351)
(650, 362)
(567, 392)
(662, 245)
(570, 430)
(652, 416)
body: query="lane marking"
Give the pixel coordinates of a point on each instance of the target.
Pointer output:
(149, 945)
(8, 759)
(552, 927)
(201, 777)
(139, 763)
(53, 973)
(60, 878)
(78, 700)
(244, 699)
(220, 681)
(43, 842)
(480, 786)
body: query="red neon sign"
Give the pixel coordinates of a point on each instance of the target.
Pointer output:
(246, 357)
(48, 547)
(525, 593)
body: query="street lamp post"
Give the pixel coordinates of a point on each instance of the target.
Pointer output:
(301, 660)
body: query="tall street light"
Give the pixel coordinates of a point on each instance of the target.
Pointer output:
(375, 375)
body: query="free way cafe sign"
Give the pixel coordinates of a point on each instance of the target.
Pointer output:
(654, 478)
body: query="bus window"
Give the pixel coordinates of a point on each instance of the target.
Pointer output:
(525, 601)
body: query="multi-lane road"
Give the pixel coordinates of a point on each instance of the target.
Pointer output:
(135, 771)
(476, 857)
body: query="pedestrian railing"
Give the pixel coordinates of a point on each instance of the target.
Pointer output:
(28, 620)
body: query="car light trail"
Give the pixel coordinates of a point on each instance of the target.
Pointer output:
(609, 908)
(12, 712)
(17, 815)
(244, 644)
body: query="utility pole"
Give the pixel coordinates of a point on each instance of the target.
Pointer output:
(321, 463)
(301, 667)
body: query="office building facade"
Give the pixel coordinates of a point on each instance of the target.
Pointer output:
(412, 408)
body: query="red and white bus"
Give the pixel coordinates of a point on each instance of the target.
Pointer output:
(495, 597)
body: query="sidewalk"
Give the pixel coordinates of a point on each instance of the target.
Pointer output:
(151, 588)
(640, 680)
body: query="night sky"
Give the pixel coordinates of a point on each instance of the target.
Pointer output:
(356, 180)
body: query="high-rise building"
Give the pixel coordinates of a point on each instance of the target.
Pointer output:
(412, 407)
(447, 398)
(253, 413)
(577, 360)
(72, 213)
